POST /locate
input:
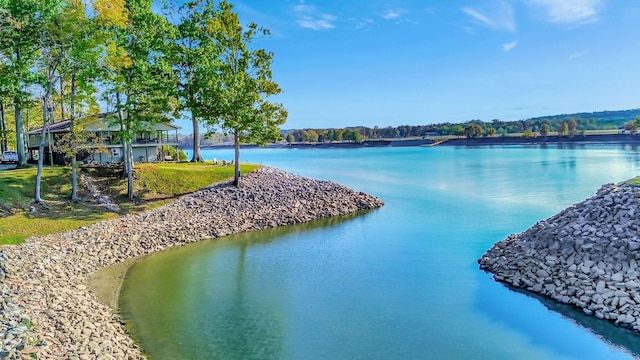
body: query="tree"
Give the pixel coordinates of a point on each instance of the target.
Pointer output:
(322, 135)
(290, 138)
(337, 135)
(312, 136)
(544, 130)
(79, 44)
(22, 23)
(49, 62)
(528, 134)
(139, 78)
(473, 130)
(573, 127)
(195, 55)
(457, 130)
(357, 137)
(563, 129)
(238, 104)
(347, 134)
(492, 131)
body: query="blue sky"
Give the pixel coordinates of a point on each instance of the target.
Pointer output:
(395, 62)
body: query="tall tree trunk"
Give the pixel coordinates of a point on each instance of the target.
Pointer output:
(61, 98)
(127, 153)
(130, 193)
(123, 142)
(236, 172)
(122, 137)
(20, 147)
(45, 113)
(72, 143)
(3, 129)
(197, 156)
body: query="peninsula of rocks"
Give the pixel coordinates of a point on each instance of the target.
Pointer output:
(588, 256)
(46, 308)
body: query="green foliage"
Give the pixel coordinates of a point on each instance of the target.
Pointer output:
(237, 103)
(236, 99)
(528, 134)
(195, 58)
(473, 130)
(545, 130)
(23, 24)
(179, 155)
(563, 129)
(139, 80)
(633, 125)
(607, 120)
(457, 130)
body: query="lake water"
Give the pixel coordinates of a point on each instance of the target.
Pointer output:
(400, 282)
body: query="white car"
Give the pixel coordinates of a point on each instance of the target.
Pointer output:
(10, 157)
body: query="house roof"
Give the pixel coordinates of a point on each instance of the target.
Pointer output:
(62, 126)
(98, 125)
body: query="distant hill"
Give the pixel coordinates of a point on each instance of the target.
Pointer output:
(614, 117)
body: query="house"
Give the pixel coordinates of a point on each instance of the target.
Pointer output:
(103, 144)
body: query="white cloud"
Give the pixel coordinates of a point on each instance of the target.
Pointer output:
(570, 11)
(499, 16)
(479, 17)
(508, 46)
(392, 14)
(310, 18)
(361, 24)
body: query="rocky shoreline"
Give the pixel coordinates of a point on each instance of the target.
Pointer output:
(46, 307)
(588, 256)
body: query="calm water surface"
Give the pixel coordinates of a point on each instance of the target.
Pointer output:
(400, 282)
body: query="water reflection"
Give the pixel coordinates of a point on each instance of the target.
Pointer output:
(209, 294)
(507, 305)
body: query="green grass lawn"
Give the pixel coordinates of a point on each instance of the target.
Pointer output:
(635, 181)
(154, 185)
(182, 178)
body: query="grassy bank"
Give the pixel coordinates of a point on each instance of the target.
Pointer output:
(155, 184)
(635, 181)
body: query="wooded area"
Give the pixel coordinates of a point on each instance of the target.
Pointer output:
(136, 65)
(562, 125)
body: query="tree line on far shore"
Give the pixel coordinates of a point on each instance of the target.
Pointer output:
(560, 125)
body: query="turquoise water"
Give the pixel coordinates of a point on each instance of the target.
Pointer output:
(400, 282)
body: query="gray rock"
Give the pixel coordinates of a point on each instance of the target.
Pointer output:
(586, 255)
(617, 277)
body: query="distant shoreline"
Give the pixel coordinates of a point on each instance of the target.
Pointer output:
(623, 139)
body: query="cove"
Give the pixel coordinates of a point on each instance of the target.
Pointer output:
(400, 282)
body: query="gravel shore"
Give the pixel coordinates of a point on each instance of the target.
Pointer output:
(587, 256)
(46, 307)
